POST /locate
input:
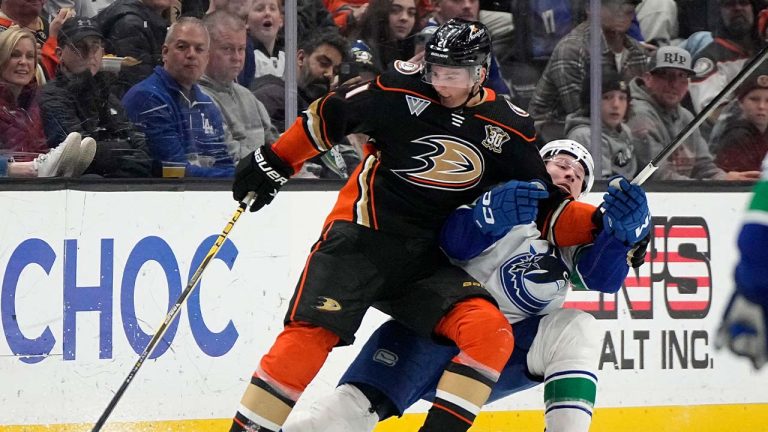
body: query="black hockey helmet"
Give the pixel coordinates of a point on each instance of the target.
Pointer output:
(459, 42)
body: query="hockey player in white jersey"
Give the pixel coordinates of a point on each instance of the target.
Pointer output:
(529, 279)
(743, 329)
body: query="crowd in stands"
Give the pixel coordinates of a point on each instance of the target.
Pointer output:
(124, 88)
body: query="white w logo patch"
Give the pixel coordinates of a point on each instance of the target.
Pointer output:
(416, 105)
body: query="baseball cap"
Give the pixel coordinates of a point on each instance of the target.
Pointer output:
(612, 81)
(756, 80)
(76, 29)
(671, 57)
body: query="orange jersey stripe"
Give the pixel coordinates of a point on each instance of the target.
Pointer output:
(355, 200)
(294, 146)
(371, 191)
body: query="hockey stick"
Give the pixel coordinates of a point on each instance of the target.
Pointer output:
(747, 70)
(173, 312)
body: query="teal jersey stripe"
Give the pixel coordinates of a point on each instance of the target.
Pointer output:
(570, 389)
(760, 199)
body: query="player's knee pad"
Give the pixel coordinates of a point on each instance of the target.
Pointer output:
(568, 339)
(296, 356)
(481, 332)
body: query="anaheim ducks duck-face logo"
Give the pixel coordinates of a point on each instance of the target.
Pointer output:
(449, 163)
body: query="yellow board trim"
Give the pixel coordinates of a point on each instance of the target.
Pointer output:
(700, 418)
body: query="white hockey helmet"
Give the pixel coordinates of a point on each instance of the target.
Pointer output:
(578, 152)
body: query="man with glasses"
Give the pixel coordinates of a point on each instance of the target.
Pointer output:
(656, 118)
(79, 100)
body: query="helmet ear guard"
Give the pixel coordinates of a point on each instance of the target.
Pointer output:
(578, 152)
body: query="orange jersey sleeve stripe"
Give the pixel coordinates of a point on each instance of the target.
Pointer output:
(513, 130)
(300, 288)
(316, 126)
(294, 146)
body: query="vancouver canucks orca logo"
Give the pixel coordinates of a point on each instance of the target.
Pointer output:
(531, 280)
(448, 163)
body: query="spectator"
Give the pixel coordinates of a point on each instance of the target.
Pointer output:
(388, 27)
(59, 162)
(744, 141)
(265, 22)
(735, 41)
(80, 8)
(26, 14)
(239, 8)
(446, 10)
(312, 18)
(182, 124)
(316, 61)
(246, 121)
(21, 131)
(78, 100)
(558, 91)
(658, 21)
(617, 142)
(134, 28)
(657, 117)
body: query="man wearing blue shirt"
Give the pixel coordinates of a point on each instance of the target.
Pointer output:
(182, 124)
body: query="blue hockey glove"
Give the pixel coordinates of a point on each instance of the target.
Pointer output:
(743, 330)
(626, 211)
(512, 203)
(262, 172)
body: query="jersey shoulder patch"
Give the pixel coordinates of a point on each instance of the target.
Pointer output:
(407, 68)
(500, 116)
(516, 109)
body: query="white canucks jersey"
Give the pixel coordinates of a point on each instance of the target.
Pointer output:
(525, 274)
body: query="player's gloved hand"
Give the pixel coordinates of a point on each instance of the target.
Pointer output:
(512, 203)
(636, 255)
(743, 330)
(626, 211)
(262, 172)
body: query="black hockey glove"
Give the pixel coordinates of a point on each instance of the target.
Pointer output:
(262, 172)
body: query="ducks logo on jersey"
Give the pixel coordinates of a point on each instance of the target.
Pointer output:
(448, 163)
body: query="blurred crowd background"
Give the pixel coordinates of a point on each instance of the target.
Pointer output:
(157, 88)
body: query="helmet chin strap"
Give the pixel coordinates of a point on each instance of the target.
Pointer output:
(476, 90)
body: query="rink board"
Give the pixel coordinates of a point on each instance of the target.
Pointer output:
(83, 288)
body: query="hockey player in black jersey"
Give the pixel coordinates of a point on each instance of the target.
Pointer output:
(437, 140)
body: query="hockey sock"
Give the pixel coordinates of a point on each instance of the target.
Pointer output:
(285, 371)
(569, 398)
(485, 339)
